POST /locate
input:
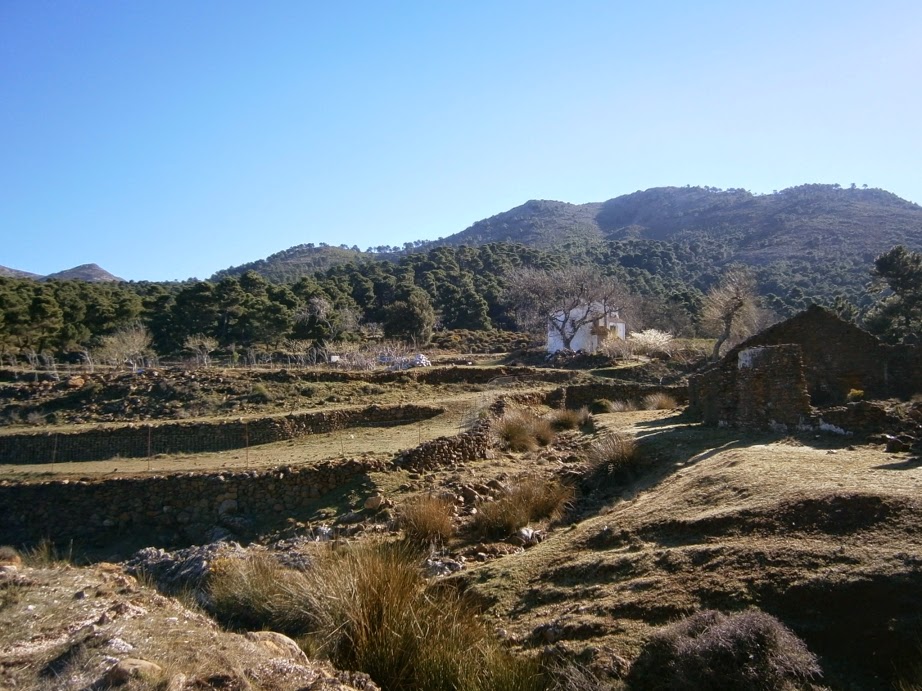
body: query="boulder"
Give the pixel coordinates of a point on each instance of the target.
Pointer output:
(131, 668)
(277, 644)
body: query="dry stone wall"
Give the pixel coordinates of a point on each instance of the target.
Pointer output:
(141, 441)
(450, 451)
(165, 509)
(579, 395)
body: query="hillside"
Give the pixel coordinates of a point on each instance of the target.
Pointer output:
(91, 273)
(301, 260)
(824, 220)
(7, 272)
(797, 227)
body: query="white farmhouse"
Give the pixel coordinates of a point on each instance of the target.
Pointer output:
(585, 326)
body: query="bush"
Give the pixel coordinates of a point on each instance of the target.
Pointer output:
(570, 419)
(612, 452)
(710, 650)
(616, 348)
(659, 401)
(260, 394)
(622, 406)
(530, 500)
(522, 430)
(650, 341)
(427, 520)
(601, 406)
(855, 395)
(369, 609)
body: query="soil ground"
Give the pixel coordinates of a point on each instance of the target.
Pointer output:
(820, 531)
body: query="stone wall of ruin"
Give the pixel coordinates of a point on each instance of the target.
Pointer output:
(761, 387)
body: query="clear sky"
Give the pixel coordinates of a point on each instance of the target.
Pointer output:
(172, 138)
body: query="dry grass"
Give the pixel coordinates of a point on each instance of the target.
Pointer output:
(659, 401)
(530, 500)
(427, 520)
(570, 419)
(369, 608)
(612, 452)
(521, 430)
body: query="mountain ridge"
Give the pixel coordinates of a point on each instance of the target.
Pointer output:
(816, 221)
(91, 273)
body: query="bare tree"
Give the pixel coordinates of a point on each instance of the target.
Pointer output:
(202, 346)
(562, 300)
(730, 308)
(129, 345)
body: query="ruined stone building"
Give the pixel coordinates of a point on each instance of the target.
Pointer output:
(812, 359)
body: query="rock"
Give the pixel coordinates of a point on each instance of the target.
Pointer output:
(469, 494)
(442, 567)
(177, 682)
(374, 502)
(549, 633)
(131, 668)
(896, 445)
(527, 537)
(277, 644)
(184, 569)
(227, 506)
(76, 382)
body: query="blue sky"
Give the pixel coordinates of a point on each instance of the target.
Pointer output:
(170, 139)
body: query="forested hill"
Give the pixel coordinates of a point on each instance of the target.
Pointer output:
(781, 232)
(302, 260)
(825, 220)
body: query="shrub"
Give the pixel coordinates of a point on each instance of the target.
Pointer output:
(601, 406)
(612, 452)
(521, 430)
(622, 406)
(260, 394)
(570, 419)
(530, 500)
(855, 395)
(659, 401)
(650, 341)
(711, 650)
(427, 520)
(616, 348)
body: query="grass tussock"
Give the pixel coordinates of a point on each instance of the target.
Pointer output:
(47, 554)
(603, 405)
(659, 401)
(428, 520)
(571, 419)
(612, 453)
(521, 430)
(530, 500)
(369, 608)
(711, 650)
